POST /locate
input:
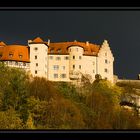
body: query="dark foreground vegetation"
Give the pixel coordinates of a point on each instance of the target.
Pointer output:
(35, 103)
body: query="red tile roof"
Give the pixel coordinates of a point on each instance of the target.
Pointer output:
(15, 51)
(90, 49)
(2, 43)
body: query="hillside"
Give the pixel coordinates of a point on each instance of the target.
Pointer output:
(34, 103)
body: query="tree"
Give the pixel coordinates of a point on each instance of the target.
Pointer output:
(42, 89)
(14, 90)
(10, 120)
(29, 123)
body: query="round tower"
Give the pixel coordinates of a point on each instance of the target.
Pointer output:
(75, 62)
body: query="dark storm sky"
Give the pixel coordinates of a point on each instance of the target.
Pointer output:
(120, 28)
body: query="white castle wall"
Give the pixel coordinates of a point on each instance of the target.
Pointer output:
(38, 65)
(89, 66)
(63, 67)
(105, 54)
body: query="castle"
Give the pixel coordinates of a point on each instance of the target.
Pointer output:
(62, 61)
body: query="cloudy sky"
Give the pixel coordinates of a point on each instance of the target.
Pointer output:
(120, 28)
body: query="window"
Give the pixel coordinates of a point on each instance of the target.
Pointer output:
(73, 66)
(35, 56)
(55, 67)
(63, 75)
(106, 54)
(20, 56)
(59, 50)
(24, 64)
(51, 57)
(63, 67)
(36, 64)
(105, 78)
(58, 58)
(20, 63)
(10, 62)
(93, 71)
(27, 64)
(79, 66)
(35, 48)
(55, 75)
(35, 71)
(51, 51)
(106, 61)
(66, 57)
(6, 62)
(16, 63)
(10, 55)
(73, 57)
(80, 57)
(70, 50)
(77, 49)
(106, 70)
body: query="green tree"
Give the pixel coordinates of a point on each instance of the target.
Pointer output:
(10, 120)
(14, 90)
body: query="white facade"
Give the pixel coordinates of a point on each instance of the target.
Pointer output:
(105, 61)
(70, 67)
(39, 60)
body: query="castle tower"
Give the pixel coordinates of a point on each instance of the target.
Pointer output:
(38, 57)
(75, 61)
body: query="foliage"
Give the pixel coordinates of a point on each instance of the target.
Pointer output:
(42, 89)
(40, 104)
(10, 120)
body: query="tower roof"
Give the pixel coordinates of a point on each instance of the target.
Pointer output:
(37, 40)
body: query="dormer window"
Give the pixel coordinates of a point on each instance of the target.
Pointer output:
(52, 51)
(10, 55)
(20, 56)
(59, 50)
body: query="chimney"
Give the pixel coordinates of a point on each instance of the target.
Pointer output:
(48, 41)
(29, 41)
(87, 43)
